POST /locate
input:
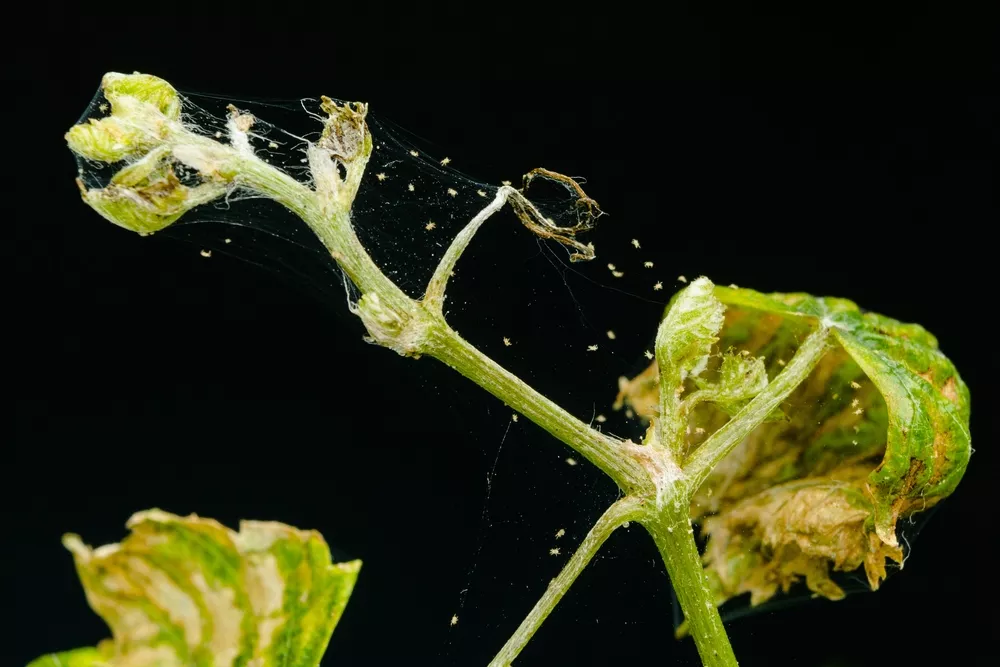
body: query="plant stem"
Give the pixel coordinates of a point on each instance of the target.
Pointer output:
(626, 509)
(603, 451)
(674, 537)
(434, 296)
(437, 339)
(700, 463)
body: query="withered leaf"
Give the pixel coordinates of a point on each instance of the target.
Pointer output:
(147, 196)
(877, 432)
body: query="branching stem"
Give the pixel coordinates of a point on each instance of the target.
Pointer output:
(669, 526)
(434, 296)
(674, 537)
(658, 485)
(626, 509)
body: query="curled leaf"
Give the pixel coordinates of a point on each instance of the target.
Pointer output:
(687, 333)
(684, 343)
(345, 140)
(584, 209)
(142, 87)
(148, 196)
(740, 378)
(143, 108)
(345, 133)
(183, 591)
(877, 432)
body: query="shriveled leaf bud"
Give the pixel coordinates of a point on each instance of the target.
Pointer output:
(345, 139)
(147, 195)
(345, 133)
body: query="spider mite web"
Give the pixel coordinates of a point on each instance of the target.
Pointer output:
(515, 295)
(570, 329)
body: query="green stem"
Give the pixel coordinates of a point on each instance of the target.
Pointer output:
(434, 337)
(434, 296)
(626, 509)
(425, 328)
(603, 451)
(674, 537)
(700, 463)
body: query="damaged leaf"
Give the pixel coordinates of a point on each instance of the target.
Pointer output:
(687, 333)
(182, 591)
(684, 342)
(147, 196)
(345, 140)
(142, 110)
(740, 378)
(774, 538)
(876, 433)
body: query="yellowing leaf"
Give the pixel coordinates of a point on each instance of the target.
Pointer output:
(147, 196)
(799, 529)
(142, 110)
(81, 657)
(877, 432)
(183, 591)
(144, 88)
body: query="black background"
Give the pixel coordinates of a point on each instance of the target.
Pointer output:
(834, 151)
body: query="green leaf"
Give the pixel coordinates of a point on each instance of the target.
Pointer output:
(182, 591)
